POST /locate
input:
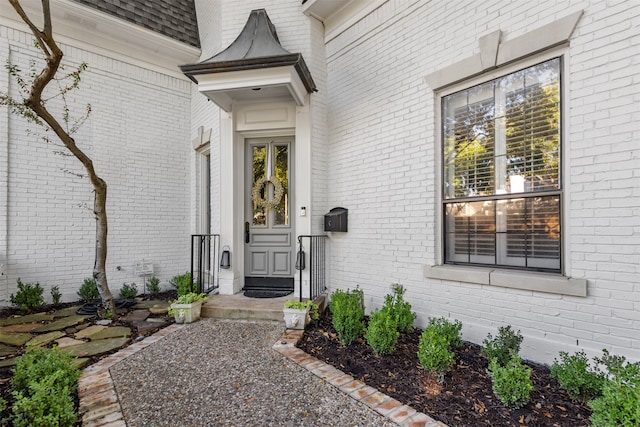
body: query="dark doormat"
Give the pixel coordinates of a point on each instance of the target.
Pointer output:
(267, 293)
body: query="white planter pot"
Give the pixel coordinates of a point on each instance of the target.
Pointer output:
(296, 319)
(187, 313)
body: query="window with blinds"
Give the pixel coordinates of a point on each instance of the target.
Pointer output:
(501, 174)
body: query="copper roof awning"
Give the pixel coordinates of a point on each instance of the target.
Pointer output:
(254, 66)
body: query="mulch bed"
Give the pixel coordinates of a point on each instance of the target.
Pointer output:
(465, 398)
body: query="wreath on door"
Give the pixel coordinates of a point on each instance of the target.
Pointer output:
(278, 191)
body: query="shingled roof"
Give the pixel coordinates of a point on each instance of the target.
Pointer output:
(172, 18)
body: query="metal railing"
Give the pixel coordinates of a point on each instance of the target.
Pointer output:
(316, 248)
(205, 267)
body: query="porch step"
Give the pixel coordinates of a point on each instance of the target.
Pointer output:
(240, 307)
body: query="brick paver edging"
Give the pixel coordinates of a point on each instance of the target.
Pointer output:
(99, 405)
(387, 406)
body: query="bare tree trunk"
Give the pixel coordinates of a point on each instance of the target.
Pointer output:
(53, 56)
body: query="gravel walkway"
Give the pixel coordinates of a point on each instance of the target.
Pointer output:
(225, 373)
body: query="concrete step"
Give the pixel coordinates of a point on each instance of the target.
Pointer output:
(240, 307)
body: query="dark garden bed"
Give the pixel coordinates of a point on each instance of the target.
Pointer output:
(465, 398)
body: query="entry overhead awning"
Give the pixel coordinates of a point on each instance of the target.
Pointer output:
(254, 67)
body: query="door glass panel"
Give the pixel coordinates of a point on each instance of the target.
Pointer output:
(281, 154)
(259, 156)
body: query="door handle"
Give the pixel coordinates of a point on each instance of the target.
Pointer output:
(247, 236)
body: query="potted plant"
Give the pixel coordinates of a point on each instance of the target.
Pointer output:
(186, 308)
(297, 314)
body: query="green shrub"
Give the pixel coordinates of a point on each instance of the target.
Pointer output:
(42, 386)
(449, 330)
(28, 297)
(512, 382)
(382, 332)
(401, 309)
(153, 286)
(128, 291)
(619, 404)
(89, 290)
(434, 353)
(182, 283)
(577, 377)
(506, 343)
(55, 295)
(347, 312)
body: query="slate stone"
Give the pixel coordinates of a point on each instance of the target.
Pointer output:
(68, 342)
(7, 350)
(148, 304)
(40, 340)
(136, 316)
(66, 312)
(80, 361)
(87, 332)
(159, 309)
(94, 348)
(104, 322)
(156, 320)
(62, 323)
(111, 332)
(20, 327)
(29, 318)
(8, 362)
(16, 340)
(146, 327)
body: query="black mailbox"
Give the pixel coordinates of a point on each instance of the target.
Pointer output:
(336, 220)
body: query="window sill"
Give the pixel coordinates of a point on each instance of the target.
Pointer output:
(532, 281)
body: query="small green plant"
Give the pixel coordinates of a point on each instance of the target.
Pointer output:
(619, 404)
(347, 311)
(449, 330)
(401, 309)
(314, 310)
(89, 290)
(437, 341)
(28, 297)
(56, 296)
(506, 343)
(128, 291)
(188, 298)
(382, 332)
(43, 383)
(577, 377)
(434, 355)
(182, 283)
(153, 286)
(512, 382)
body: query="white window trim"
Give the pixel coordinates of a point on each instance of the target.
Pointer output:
(495, 60)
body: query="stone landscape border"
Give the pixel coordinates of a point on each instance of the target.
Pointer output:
(100, 407)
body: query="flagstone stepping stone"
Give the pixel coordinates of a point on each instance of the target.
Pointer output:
(112, 332)
(159, 309)
(94, 348)
(146, 327)
(148, 304)
(20, 327)
(7, 350)
(40, 340)
(16, 340)
(8, 362)
(87, 332)
(29, 318)
(66, 312)
(62, 323)
(80, 361)
(68, 342)
(156, 320)
(136, 316)
(104, 322)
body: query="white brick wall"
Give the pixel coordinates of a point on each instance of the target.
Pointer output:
(139, 138)
(382, 166)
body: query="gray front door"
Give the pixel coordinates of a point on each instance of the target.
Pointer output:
(269, 240)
